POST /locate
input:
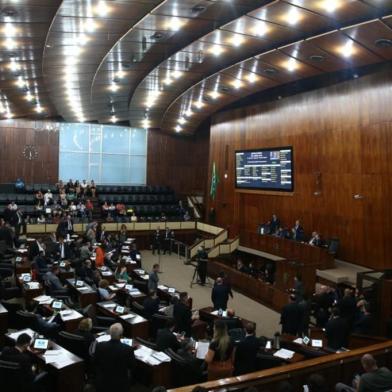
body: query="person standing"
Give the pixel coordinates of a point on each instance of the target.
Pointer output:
(291, 317)
(113, 362)
(220, 295)
(156, 242)
(153, 278)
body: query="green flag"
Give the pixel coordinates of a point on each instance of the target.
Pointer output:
(214, 181)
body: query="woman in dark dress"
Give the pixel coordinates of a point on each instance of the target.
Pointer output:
(220, 353)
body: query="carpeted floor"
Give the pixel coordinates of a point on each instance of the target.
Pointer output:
(176, 274)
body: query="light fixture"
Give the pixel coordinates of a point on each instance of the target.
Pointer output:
(20, 82)
(14, 66)
(251, 78)
(198, 104)
(114, 87)
(102, 9)
(10, 44)
(237, 40)
(330, 5)
(113, 119)
(167, 81)
(176, 74)
(182, 120)
(216, 50)
(291, 65)
(260, 29)
(188, 113)
(214, 94)
(178, 128)
(237, 84)
(29, 97)
(9, 115)
(82, 40)
(174, 24)
(292, 17)
(120, 74)
(89, 25)
(146, 123)
(39, 109)
(9, 30)
(347, 50)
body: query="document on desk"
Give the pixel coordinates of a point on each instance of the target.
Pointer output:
(160, 356)
(128, 316)
(103, 338)
(111, 305)
(284, 354)
(162, 287)
(15, 335)
(67, 315)
(83, 288)
(201, 349)
(43, 299)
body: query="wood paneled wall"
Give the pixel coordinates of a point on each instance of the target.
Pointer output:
(342, 138)
(14, 136)
(179, 162)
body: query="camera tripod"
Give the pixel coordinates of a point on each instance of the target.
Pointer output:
(196, 277)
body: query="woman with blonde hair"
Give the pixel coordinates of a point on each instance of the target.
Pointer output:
(220, 353)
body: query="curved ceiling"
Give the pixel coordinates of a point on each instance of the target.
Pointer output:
(170, 64)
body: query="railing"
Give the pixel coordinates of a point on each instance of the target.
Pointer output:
(224, 248)
(335, 368)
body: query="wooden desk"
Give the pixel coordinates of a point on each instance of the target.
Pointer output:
(3, 323)
(288, 249)
(206, 315)
(28, 293)
(256, 289)
(86, 296)
(23, 267)
(107, 274)
(135, 326)
(66, 273)
(67, 372)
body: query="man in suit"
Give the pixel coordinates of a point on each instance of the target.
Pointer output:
(166, 338)
(315, 240)
(156, 242)
(202, 260)
(274, 224)
(246, 352)
(291, 317)
(348, 306)
(298, 232)
(65, 227)
(52, 280)
(37, 247)
(19, 354)
(220, 295)
(168, 241)
(63, 250)
(151, 304)
(337, 331)
(113, 363)
(183, 315)
(153, 278)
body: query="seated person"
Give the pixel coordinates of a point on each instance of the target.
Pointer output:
(241, 267)
(183, 315)
(151, 304)
(166, 338)
(315, 240)
(246, 352)
(121, 273)
(19, 354)
(52, 280)
(374, 379)
(85, 250)
(84, 330)
(41, 263)
(104, 292)
(88, 274)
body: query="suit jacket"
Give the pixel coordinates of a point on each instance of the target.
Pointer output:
(166, 339)
(67, 251)
(220, 296)
(232, 322)
(183, 318)
(113, 363)
(151, 306)
(26, 375)
(291, 319)
(245, 355)
(337, 331)
(299, 233)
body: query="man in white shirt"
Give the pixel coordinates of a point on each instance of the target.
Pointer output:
(48, 197)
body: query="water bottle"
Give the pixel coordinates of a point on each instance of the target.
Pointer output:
(277, 341)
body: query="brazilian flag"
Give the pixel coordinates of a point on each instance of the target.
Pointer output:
(214, 181)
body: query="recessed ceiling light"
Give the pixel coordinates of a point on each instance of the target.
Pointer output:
(157, 36)
(260, 29)
(347, 50)
(291, 65)
(237, 40)
(198, 9)
(176, 74)
(178, 128)
(316, 58)
(146, 123)
(214, 94)
(113, 119)
(270, 71)
(39, 109)
(237, 84)
(174, 24)
(181, 120)
(10, 44)
(102, 9)
(113, 87)
(293, 16)
(331, 5)
(383, 43)
(198, 104)
(188, 113)
(216, 50)
(252, 78)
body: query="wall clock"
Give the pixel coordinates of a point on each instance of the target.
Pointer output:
(30, 152)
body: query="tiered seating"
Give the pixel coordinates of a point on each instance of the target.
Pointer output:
(148, 202)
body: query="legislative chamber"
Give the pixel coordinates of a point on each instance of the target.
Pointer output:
(195, 195)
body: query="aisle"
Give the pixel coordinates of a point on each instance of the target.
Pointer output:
(178, 275)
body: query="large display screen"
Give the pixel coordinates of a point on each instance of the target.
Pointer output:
(265, 169)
